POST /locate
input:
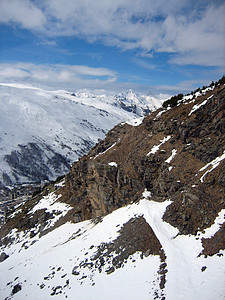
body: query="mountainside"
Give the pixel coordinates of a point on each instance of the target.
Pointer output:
(43, 132)
(141, 216)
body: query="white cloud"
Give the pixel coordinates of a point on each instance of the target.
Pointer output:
(201, 42)
(23, 12)
(57, 76)
(76, 77)
(68, 77)
(192, 30)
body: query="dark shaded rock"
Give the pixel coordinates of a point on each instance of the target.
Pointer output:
(3, 256)
(16, 288)
(221, 178)
(74, 271)
(147, 253)
(110, 270)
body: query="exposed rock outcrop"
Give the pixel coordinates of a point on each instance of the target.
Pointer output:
(164, 155)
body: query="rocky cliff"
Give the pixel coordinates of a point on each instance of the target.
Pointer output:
(173, 153)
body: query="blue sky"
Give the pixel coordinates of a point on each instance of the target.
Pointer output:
(112, 45)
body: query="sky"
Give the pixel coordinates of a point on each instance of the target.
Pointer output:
(113, 45)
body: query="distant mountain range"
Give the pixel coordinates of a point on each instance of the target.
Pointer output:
(42, 132)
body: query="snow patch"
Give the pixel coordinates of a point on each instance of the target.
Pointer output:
(213, 164)
(159, 114)
(51, 205)
(209, 232)
(156, 148)
(101, 153)
(146, 194)
(135, 122)
(60, 184)
(113, 164)
(197, 106)
(169, 159)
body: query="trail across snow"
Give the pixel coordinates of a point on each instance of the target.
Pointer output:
(46, 266)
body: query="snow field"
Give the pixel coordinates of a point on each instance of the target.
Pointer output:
(48, 263)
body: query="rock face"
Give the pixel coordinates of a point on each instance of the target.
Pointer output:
(172, 154)
(175, 153)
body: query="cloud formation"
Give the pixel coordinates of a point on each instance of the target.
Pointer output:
(193, 31)
(55, 76)
(24, 13)
(77, 77)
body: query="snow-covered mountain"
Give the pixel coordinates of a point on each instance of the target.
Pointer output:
(43, 132)
(140, 216)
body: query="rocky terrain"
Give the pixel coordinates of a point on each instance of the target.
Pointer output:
(145, 203)
(172, 153)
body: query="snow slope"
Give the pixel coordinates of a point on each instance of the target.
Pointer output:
(41, 267)
(42, 132)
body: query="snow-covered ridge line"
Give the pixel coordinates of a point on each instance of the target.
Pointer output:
(20, 86)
